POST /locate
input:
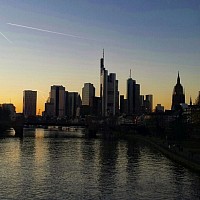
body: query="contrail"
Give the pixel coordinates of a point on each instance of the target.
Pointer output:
(44, 30)
(6, 38)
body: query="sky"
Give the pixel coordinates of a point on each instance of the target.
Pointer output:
(60, 42)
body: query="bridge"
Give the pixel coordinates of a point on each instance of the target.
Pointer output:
(103, 127)
(45, 124)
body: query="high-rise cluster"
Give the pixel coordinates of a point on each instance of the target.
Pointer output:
(135, 103)
(62, 103)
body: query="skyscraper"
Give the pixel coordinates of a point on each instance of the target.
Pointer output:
(11, 108)
(112, 95)
(57, 96)
(178, 94)
(88, 94)
(133, 96)
(109, 93)
(73, 103)
(29, 103)
(198, 99)
(149, 99)
(123, 105)
(49, 108)
(103, 87)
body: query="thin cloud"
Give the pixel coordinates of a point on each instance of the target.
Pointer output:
(6, 38)
(48, 31)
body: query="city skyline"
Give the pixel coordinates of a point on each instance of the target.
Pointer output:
(60, 43)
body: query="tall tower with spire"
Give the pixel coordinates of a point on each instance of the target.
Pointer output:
(109, 93)
(178, 95)
(103, 86)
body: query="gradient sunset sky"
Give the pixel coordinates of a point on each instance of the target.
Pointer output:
(60, 42)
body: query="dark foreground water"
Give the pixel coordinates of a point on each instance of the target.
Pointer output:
(51, 165)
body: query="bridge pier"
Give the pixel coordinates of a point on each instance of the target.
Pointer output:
(18, 126)
(18, 131)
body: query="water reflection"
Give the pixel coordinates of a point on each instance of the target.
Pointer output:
(107, 162)
(46, 167)
(132, 167)
(48, 133)
(90, 161)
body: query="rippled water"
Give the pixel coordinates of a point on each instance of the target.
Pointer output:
(51, 165)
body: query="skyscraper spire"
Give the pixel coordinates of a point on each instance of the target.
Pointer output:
(190, 100)
(102, 62)
(178, 94)
(178, 79)
(130, 73)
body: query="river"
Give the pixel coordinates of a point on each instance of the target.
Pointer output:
(54, 165)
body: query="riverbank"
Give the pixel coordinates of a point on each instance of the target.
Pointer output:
(173, 152)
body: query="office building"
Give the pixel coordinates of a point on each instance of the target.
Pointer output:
(197, 102)
(159, 108)
(109, 93)
(123, 105)
(133, 96)
(29, 103)
(73, 102)
(103, 87)
(112, 95)
(88, 94)
(149, 99)
(11, 109)
(49, 108)
(141, 100)
(57, 96)
(96, 110)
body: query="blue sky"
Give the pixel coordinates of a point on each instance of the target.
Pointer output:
(156, 39)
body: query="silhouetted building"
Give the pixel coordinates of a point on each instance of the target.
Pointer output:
(159, 108)
(141, 100)
(133, 96)
(103, 87)
(96, 110)
(73, 104)
(146, 104)
(109, 93)
(49, 108)
(57, 96)
(112, 95)
(198, 100)
(123, 105)
(88, 94)
(29, 103)
(149, 98)
(11, 109)
(178, 94)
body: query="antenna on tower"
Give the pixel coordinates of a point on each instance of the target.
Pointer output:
(130, 73)
(103, 53)
(190, 100)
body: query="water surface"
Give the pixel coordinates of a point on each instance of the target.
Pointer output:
(54, 165)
